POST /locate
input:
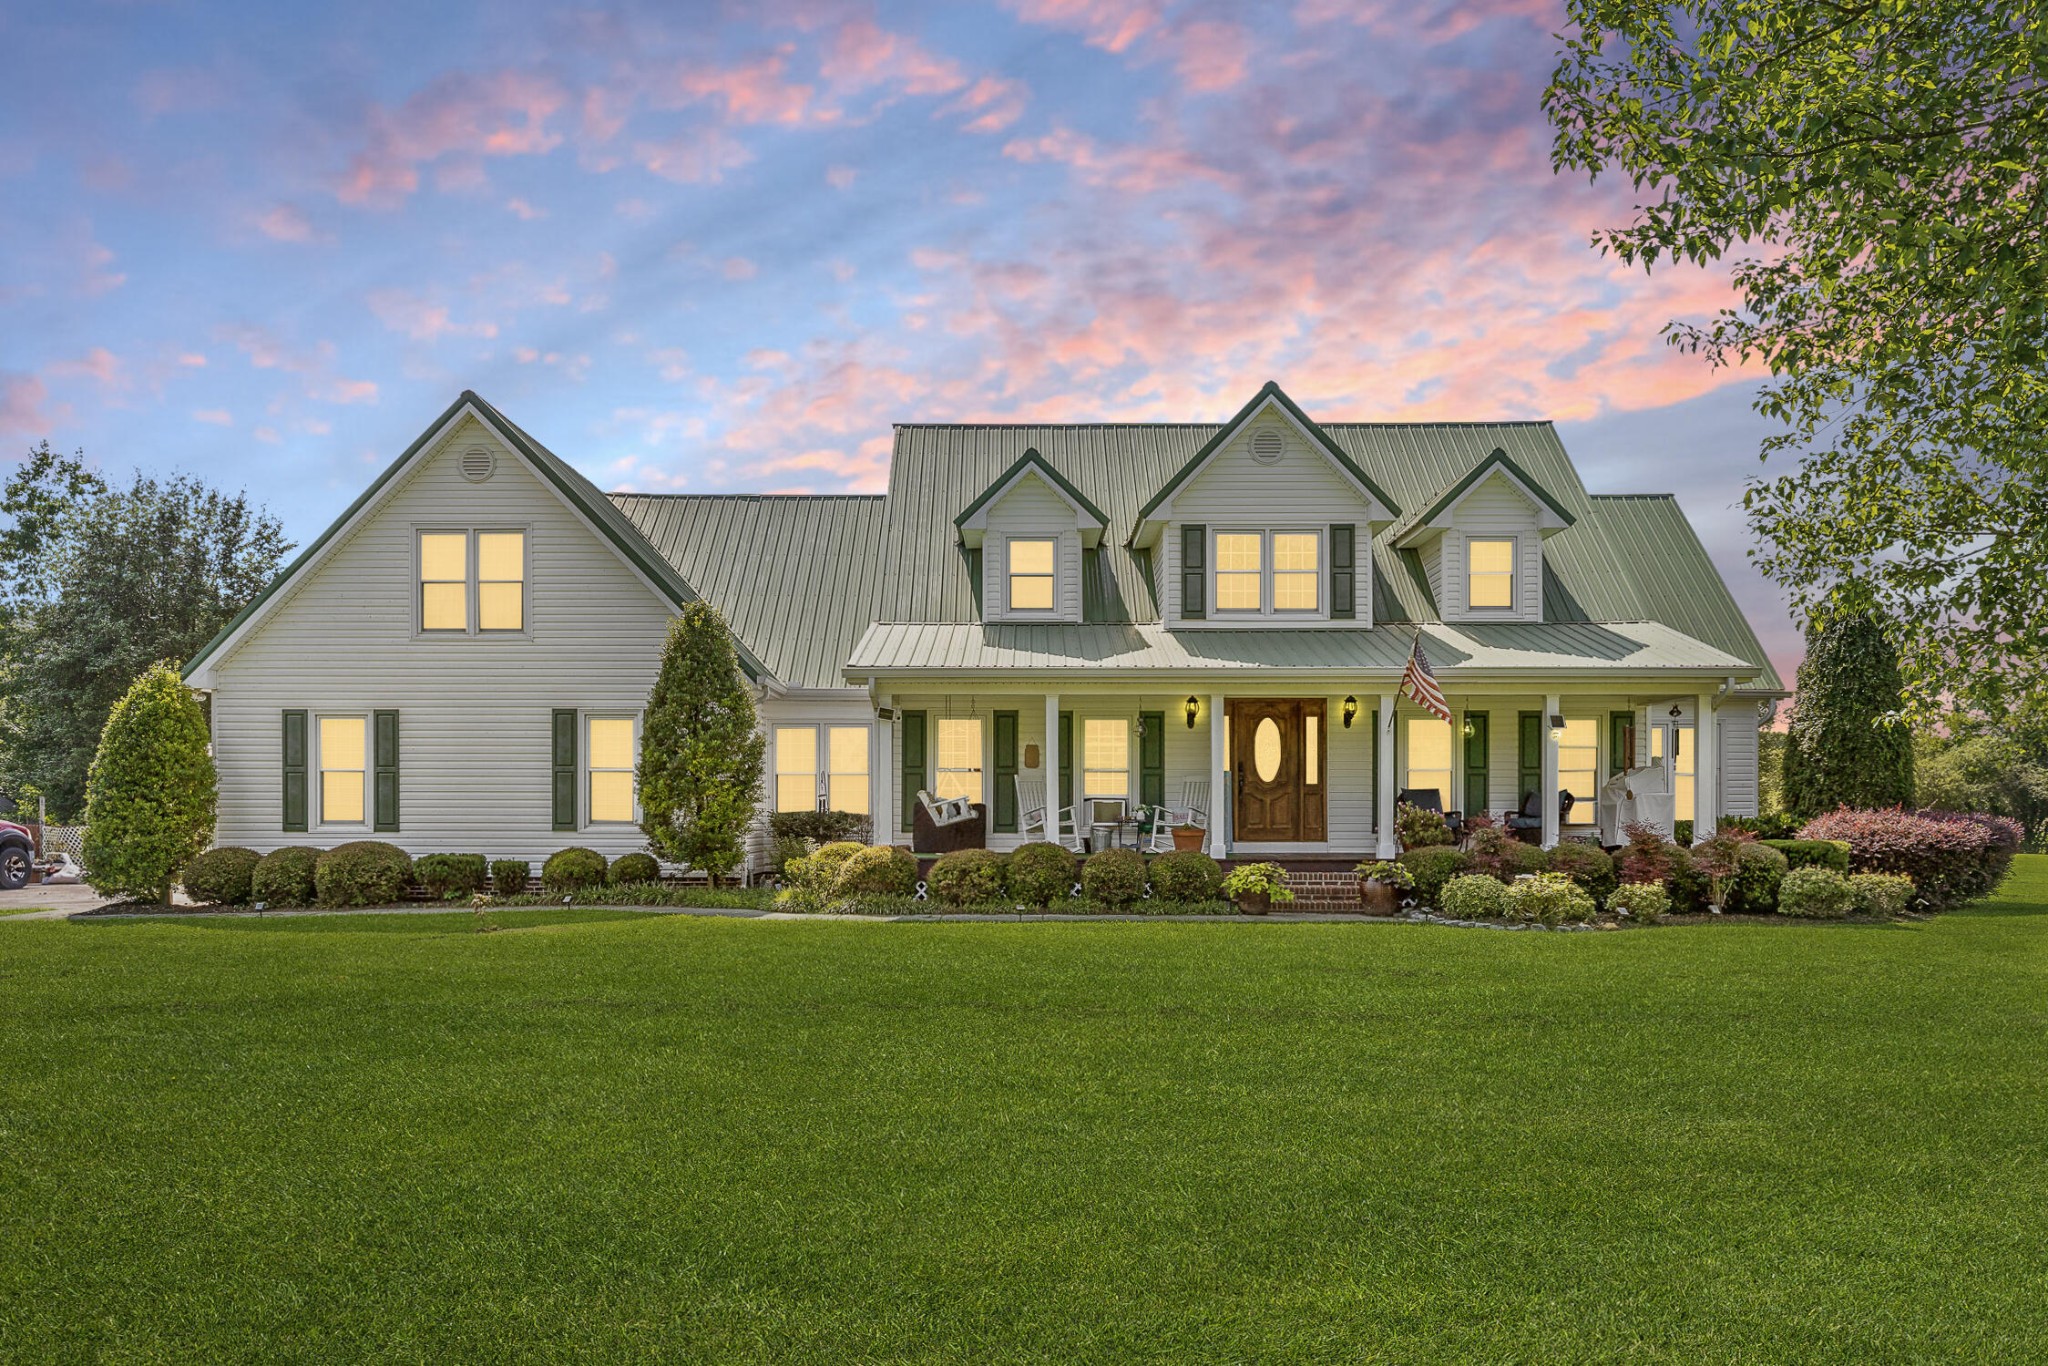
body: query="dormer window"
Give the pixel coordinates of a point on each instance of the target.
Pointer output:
(1491, 567)
(1032, 576)
(1268, 572)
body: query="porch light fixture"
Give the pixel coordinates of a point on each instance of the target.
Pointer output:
(1350, 711)
(1190, 709)
(1470, 728)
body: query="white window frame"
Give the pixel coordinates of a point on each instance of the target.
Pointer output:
(1514, 605)
(1266, 610)
(822, 772)
(473, 571)
(1408, 770)
(1010, 607)
(320, 821)
(584, 769)
(938, 754)
(1585, 805)
(1089, 792)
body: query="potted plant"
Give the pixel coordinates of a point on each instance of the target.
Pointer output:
(1256, 886)
(1380, 886)
(1189, 837)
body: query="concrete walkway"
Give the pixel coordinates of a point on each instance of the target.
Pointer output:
(49, 901)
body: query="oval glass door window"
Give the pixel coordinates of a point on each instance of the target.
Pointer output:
(1266, 750)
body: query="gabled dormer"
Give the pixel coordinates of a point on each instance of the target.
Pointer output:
(1269, 524)
(1028, 530)
(1481, 543)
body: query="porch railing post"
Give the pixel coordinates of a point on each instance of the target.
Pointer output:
(1388, 846)
(1051, 770)
(1552, 710)
(1220, 814)
(1706, 769)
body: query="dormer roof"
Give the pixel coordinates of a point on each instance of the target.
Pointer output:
(1551, 515)
(1090, 520)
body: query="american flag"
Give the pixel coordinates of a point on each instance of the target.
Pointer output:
(1420, 685)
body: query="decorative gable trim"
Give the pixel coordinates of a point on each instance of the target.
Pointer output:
(1551, 515)
(1089, 519)
(577, 493)
(1151, 518)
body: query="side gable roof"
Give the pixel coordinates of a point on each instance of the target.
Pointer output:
(1413, 528)
(579, 493)
(1031, 461)
(1269, 392)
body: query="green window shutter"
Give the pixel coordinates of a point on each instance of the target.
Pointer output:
(1621, 740)
(1067, 761)
(1344, 571)
(1194, 573)
(1476, 777)
(295, 770)
(912, 725)
(564, 763)
(1529, 751)
(384, 748)
(1006, 772)
(974, 578)
(1152, 758)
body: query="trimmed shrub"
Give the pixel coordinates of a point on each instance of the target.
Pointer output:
(509, 876)
(1882, 896)
(1432, 867)
(1647, 857)
(1816, 894)
(1115, 877)
(785, 850)
(877, 870)
(1549, 899)
(966, 876)
(1042, 873)
(284, 877)
(819, 827)
(1493, 852)
(1812, 853)
(149, 796)
(1643, 901)
(1186, 875)
(222, 877)
(811, 877)
(450, 876)
(1771, 825)
(1758, 871)
(1689, 886)
(362, 873)
(1951, 857)
(1474, 896)
(633, 868)
(1588, 865)
(572, 870)
(700, 748)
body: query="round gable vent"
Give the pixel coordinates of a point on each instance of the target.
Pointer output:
(1267, 446)
(478, 465)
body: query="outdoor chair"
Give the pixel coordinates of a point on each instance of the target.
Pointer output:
(1031, 816)
(1526, 825)
(1160, 820)
(1430, 799)
(940, 826)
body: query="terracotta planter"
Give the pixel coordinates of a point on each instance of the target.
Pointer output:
(1189, 837)
(1255, 903)
(1378, 898)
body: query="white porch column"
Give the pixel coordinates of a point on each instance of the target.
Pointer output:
(1052, 770)
(888, 817)
(1388, 846)
(1552, 707)
(1706, 768)
(1220, 814)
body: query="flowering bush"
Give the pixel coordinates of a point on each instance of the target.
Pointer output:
(1549, 899)
(1497, 854)
(1952, 857)
(1883, 896)
(1419, 829)
(1648, 856)
(1474, 896)
(1816, 893)
(1644, 901)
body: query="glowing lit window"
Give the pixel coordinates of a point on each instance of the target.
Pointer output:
(1578, 767)
(846, 776)
(1312, 751)
(1684, 774)
(501, 580)
(343, 752)
(444, 581)
(959, 767)
(611, 770)
(1429, 757)
(1239, 573)
(1106, 757)
(1269, 572)
(1266, 749)
(1031, 575)
(796, 768)
(1297, 573)
(1492, 573)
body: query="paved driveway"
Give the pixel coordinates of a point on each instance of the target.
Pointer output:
(50, 900)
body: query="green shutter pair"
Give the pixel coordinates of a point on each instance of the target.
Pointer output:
(1194, 576)
(383, 771)
(1476, 774)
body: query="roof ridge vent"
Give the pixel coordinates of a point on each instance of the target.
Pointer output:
(478, 464)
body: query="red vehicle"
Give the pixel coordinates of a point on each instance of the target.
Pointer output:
(17, 852)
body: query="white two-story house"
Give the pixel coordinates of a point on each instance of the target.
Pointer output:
(1144, 615)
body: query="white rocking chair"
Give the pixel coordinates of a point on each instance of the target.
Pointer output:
(1193, 810)
(1031, 815)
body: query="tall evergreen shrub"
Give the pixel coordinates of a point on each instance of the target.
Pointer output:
(149, 796)
(1845, 746)
(700, 748)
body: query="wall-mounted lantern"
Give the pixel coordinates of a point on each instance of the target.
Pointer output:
(1350, 711)
(1193, 707)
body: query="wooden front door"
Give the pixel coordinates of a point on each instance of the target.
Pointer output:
(1278, 769)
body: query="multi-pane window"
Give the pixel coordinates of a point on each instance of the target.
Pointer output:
(796, 768)
(1684, 769)
(1106, 757)
(843, 752)
(846, 771)
(467, 576)
(1429, 757)
(344, 751)
(1032, 578)
(1492, 574)
(959, 766)
(1578, 767)
(611, 769)
(1269, 571)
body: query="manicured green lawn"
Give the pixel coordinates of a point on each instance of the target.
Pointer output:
(695, 1139)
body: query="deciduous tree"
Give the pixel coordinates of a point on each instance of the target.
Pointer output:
(1847, 744)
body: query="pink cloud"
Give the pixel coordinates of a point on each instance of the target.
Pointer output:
(687, 160)
(752, 92)
(98, 364)
(524, 211)
(990, 105)
(492, 114)
(22, 410)
(286, 223)
(738, 268)
(1211, 55)
(422, 319)
(218, 417)
(1112, 25)
(860, 54)
(841, 177)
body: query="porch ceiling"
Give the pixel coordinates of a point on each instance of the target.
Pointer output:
(1565, 647)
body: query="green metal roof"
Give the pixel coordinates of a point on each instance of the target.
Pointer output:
(1499, 460)
(1454, 651)
(1031, 460)
(793, 574)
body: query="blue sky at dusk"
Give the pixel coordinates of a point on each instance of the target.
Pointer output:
(718, 248)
